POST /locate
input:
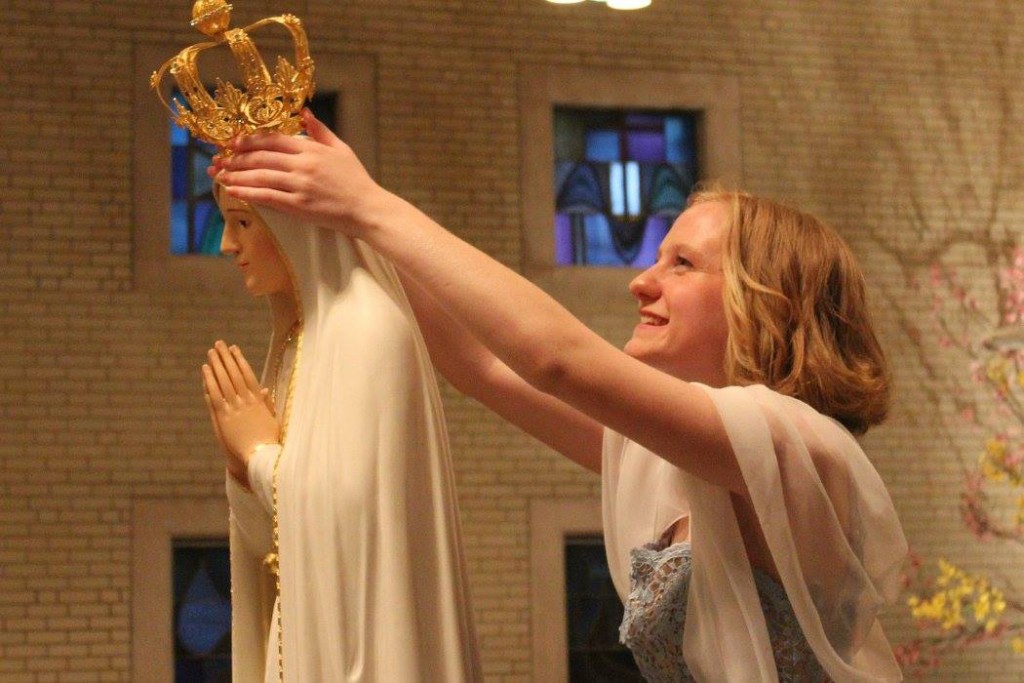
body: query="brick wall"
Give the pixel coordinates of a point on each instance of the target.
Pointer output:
(892, 121)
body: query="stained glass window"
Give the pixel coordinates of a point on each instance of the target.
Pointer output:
(202, 612)
(593, 615)
(196, 223)
(621, 180)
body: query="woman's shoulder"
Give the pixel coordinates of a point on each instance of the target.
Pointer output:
(768, 399)
(784, 420)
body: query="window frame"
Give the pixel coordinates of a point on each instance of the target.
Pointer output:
(542, 88)
(551, 521)
(156, 523)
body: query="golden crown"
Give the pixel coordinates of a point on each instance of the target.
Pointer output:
(265, 103)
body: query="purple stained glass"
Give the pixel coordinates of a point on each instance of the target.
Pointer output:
(654, 232)
(645, 145)
(563, 239)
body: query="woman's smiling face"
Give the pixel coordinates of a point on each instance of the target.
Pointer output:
(683, 328)
(247, 238)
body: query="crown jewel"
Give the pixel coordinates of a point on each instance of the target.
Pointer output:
(264, 103)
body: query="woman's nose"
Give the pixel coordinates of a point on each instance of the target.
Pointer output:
(645, 285)
(228, 240)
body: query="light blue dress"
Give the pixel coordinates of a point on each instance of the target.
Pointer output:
(652, 626)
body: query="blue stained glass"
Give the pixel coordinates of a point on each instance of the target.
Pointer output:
(205, 617)
(632, 185)
(616, 189)
(202, 612)
(636, 196)
(563, 169)
(666, 191)
(582, 191)
(195, 223)
(210, 226)
(179, 216)
(179, 136)
(202, 184)
(600, 249)
(179, 172)
(603, 145)
(678, 140)
(191, 199)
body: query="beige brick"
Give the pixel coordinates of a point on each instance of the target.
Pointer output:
(848, 109)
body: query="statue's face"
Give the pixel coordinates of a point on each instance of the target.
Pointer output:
(247, 238)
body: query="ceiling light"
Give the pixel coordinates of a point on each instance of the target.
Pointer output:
(614, 4)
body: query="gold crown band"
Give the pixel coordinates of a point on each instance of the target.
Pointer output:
(267, 103)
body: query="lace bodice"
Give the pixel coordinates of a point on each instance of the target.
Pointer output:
(655, 615)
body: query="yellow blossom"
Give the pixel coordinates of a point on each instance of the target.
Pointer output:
(955, 592)
(997, 372)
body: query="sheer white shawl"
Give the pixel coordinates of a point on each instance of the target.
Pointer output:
(825, 513)
(373, 584)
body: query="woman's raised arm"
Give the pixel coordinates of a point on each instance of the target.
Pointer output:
(320, 179)
(476, 372)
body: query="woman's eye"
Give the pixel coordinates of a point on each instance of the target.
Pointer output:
(682, 263)
(243, 222)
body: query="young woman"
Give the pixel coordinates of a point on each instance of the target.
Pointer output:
(746, 531)
(346, 562)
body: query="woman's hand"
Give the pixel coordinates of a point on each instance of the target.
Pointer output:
(240, 409)
(317, 178)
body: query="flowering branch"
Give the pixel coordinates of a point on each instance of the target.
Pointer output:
(954, 609)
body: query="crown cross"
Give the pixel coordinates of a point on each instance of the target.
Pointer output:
(265, 104)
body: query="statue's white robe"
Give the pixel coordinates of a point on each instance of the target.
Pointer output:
(373, 584)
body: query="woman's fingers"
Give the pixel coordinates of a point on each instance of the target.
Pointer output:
(317, 131)
(275, 199)
(271, 161)
(282, 181)
(271, 142)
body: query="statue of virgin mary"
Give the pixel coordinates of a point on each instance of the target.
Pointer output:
(346, 559)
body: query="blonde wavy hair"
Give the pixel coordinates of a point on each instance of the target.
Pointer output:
(797, 311)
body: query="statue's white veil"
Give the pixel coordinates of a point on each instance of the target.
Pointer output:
(373, 582)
